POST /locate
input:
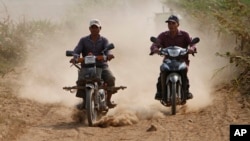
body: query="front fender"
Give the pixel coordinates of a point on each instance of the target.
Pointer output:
(90, 86)
(174, 78)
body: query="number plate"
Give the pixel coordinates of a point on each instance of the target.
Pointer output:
(89, 60)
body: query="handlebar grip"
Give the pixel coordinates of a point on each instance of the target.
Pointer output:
(79, 60)
(151, 53)
(99, 58)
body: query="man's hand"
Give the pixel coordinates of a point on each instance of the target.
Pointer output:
(156, 50)
(73, 61)
(190, 51)
(110, 56)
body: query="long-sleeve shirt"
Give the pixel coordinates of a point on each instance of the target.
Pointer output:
(182, 39)
(86, 46)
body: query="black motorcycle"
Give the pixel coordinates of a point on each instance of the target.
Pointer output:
(94, 87)
(173, 79)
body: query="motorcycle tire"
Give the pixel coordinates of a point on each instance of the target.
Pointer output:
(90, 107)
(173, 98)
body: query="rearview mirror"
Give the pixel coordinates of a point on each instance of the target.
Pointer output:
(109, 47)
(153, 39)
(69, 53)
(195, 40)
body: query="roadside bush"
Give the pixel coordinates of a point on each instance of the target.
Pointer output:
(16, 37)
(231, 18)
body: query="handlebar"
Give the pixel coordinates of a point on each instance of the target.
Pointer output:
(155, 41)
(98, 58)
(161, 52)
(108, 88)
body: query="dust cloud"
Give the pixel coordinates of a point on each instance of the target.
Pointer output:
(128, 24)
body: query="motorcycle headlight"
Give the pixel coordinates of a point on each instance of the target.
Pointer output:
(173, 53)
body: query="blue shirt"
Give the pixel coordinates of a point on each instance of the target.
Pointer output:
(86, 46)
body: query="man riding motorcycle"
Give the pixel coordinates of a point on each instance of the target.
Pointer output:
(94, 44)
(173, 37)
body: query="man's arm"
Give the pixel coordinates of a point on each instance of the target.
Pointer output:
(155, 46)
(191, 47)
(108, 52)
(106, 43)
(78, 49)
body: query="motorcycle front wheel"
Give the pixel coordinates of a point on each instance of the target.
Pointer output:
(173, 98)
(90, 107)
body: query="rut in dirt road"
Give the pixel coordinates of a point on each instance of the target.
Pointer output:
(56, 123)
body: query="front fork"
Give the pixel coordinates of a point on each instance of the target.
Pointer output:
(166, 87)
(95, 91)
(167, 80)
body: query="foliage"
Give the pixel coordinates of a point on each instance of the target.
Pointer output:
(11, 45)
(231, 17)
(16, 37)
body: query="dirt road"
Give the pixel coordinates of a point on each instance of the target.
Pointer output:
(26, 120)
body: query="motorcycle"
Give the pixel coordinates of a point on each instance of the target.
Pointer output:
(95, 89)
(173, 80)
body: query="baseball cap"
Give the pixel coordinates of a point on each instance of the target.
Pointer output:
(94, 22)
(173, 18)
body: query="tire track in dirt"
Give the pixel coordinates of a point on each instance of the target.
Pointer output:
(54, 122)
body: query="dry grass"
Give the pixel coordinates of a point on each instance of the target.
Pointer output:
(16, 37)
(221, 12)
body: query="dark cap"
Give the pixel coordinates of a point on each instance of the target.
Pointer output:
(173, 18)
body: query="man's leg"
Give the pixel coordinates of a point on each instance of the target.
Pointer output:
(189, 94)
(158, 95)
(109, 78)
(80, 82)
(80, 93)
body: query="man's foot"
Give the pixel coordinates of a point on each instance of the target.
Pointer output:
(158, 96)
(111, 104)
(189, 96)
